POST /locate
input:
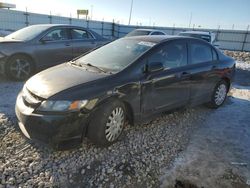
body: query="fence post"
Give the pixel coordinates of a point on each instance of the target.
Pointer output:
(245, 38)
(70, 20)
(87, 23)
(113, 28)
(102, 28)
(173, 29)
(26, 18)
(50, 18)
(217, 34)
(118, 30)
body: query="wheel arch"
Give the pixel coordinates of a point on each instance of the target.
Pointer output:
(26, 55)
(228, 81)
(128, 108)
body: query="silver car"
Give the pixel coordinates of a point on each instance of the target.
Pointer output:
(38, 47)
(143, 32)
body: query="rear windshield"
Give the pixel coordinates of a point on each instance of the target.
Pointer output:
(138, 33)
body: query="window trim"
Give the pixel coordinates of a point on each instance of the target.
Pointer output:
(189, 51)
(53, 29)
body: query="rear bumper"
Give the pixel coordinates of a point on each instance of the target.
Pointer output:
(57, 130)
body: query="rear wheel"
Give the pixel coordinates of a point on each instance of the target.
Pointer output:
(107, 123)
(19, 67)
(219, 95)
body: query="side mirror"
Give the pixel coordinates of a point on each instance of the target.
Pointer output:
(155, 67)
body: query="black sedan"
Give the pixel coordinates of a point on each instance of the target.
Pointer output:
(38, 47)
(128, 79)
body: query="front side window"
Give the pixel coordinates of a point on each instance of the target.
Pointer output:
(80, 34)
(172, 55)
(57, 35)
(200, 53)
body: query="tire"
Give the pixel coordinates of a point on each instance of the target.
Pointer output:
(107, 123)
(19, 67)
(219, 95)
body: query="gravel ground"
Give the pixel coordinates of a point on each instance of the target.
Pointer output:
(138, 159)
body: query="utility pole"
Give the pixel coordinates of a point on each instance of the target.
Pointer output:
(91, 14)
(131, 9)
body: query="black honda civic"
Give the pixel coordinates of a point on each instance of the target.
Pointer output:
(129, 79)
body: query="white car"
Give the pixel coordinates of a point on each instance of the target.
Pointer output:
(143, 32)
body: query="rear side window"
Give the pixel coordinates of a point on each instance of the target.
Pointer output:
(200, 53)
(171, 55)
(80, 34)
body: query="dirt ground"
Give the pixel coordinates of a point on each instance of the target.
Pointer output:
(218, 154)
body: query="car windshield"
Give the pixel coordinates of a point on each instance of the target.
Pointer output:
(117, 55)
(200, 36)
(138, 33)
(27, 33)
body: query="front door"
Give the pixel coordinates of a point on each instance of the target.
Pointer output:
(54, 48)
(168, 88)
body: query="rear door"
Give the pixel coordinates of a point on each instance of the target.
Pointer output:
(83, 41)
(202, 64)
(54, 47)
(168, 88)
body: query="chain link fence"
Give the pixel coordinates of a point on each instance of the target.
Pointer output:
(12, 20)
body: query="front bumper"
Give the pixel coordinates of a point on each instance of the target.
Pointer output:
(57, 130)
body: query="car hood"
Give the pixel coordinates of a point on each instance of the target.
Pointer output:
(56, 79)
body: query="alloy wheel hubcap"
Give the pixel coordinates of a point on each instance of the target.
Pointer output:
(20, 69)
(114, 124)
(220, 94)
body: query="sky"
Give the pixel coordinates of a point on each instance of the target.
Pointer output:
(180, 13)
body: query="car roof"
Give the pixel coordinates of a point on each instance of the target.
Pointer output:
(197, 32)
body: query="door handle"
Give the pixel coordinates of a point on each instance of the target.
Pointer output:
(67, 44)
(183, 75)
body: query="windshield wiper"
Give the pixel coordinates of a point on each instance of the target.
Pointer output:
(96, 67)
(88, 64)
(75, 63)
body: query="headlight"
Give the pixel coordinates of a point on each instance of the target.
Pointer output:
(61, 106)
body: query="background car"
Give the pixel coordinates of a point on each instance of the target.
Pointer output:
(41, 46)
(207, 36)
(129, 79)
(143, 32)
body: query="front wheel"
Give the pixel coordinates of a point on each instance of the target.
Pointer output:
(107, 123)
(219, 95)
(19, 67)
